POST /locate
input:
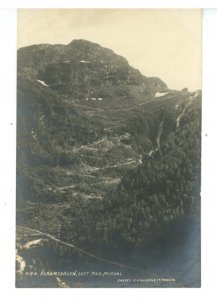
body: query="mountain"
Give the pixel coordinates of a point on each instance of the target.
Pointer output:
(55, 116)
(107, 158)
(86, 70)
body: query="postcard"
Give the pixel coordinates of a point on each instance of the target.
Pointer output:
(108, 148)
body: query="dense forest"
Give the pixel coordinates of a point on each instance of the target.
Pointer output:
(160, 191)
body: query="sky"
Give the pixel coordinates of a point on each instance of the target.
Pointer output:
(166, 43)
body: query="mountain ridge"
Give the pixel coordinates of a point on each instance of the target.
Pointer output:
(82, 65)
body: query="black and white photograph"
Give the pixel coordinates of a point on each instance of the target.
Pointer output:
(108, 148)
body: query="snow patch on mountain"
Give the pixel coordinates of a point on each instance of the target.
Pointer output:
(84, 62)
(42, 82)
(158, 94)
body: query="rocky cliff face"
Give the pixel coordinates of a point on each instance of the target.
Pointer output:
(85, 70)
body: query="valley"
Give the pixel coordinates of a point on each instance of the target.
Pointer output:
(108, 162)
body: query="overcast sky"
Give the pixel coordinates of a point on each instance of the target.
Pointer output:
(164, 43)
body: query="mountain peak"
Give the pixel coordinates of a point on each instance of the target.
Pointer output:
(82, 67)
(82, 42)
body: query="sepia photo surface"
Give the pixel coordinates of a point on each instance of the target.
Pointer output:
(108, 148)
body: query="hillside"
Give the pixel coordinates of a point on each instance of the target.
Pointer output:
(163, 189)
